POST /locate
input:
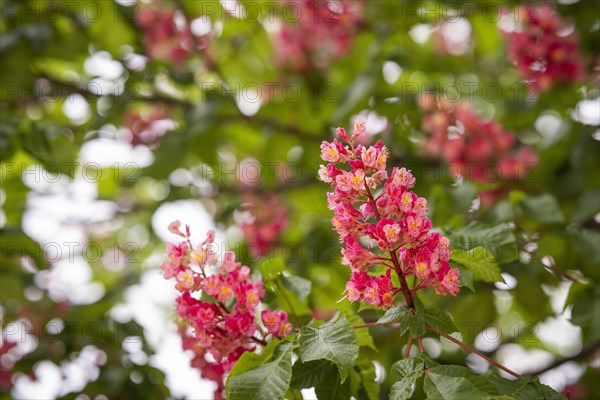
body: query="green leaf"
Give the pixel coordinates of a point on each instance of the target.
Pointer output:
(466, 279)
(271, 267)
(543, 209)
(369, 388)
(405, 374)
(299, 286)
(307, 374)
(440, 320)
(524, 388)
(363, 335)
(498, 240)
(253, 377)
(332, 387)
(335, 341)
(416, 325)
(454, 382)
(393, 315)
(480, 262)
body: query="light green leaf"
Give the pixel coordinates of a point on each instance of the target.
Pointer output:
(405, 374)
(480, 262)
(334, 341)
(299, 286)
(446, 382)
(498, 240)
(265, 376)
(271, 267)
(363, 335)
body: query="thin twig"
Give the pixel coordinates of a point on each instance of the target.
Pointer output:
(585, 352)
(408, 347)
(472, 350)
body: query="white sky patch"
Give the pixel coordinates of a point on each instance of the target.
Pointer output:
(420, 33)
(587, 112)
(201, 25)
(391, 72)
(102, 65)
(248, 101)
(77, 109)
(107, 152)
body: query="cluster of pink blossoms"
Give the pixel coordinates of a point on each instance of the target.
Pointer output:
(478, 149)
(147, 127)
(268, 219)
(224, 326)
(318, 32)
(542, 50)
(371, 206)
(167, 37)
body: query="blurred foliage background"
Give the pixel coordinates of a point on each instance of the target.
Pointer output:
(109, 129)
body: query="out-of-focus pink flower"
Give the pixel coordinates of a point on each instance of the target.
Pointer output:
(543, 54)
(320, 32)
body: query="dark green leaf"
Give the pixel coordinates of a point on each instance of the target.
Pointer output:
(334, 340)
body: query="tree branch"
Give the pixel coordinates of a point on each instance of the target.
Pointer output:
(472, 350)
(585, 352)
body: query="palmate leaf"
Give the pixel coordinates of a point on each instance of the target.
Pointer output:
(363, 335)
(446, 382)
(405, 374)
(335, 341)
(369, 388)
(480, 262)
(392, 315)
(299, 286)
(524, 388)
(498, 240)
(439, 319)
(307, 374)
(331, 387)
(543, 209)
(262, 376)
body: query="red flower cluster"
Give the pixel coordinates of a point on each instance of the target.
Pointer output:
(220, 330)
(319, 32)
(147, 127)
(369, 205)
(474, 148)
(267, 218)
(165, 36)
(543, 50)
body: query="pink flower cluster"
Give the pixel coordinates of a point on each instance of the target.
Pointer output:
(318, 32)
(372, 206)
(223, 325)
(474, 148)
(266, 220)
(167, 37)
(147, 127)
(543, 53)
